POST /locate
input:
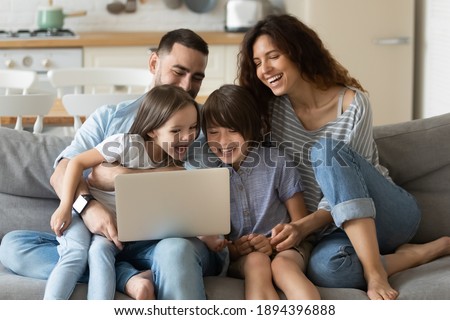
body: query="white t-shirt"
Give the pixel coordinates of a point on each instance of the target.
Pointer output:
(130, 151)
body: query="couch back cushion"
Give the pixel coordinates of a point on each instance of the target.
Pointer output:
(26, 196)
(27, 162)
(417, 154)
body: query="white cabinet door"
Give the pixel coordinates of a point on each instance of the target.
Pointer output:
(221, 68)
(117, 57)
(374, 40)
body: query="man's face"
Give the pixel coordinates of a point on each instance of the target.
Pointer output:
(182, 67)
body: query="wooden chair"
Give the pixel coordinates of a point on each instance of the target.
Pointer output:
(89, 88)
(18, 100)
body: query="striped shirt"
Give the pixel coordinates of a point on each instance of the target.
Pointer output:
(353, 127)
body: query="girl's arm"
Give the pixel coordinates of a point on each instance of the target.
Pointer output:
(62, 217)
(74, 172)
(102, 176)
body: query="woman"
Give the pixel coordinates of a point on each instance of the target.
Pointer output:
(321, 116)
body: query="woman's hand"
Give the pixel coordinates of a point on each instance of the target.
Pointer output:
(285, 236)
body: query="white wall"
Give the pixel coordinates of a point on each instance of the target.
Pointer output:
(152, 15)
(432, 94)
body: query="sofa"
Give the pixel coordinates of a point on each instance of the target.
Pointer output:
(417, 154)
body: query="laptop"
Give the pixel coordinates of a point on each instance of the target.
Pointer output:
(182, 203)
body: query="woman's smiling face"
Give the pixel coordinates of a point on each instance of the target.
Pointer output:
(273, 67)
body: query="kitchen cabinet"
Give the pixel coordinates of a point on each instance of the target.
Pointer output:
(374, 40)
(221, 68)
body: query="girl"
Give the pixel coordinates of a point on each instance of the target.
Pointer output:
(166, 124)
(265, 191)
(323, 116)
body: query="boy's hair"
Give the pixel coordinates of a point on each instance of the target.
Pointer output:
(158, 105)
(185, 37)
(232, 106)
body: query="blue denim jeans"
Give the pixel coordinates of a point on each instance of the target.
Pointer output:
(355, 189)
(178, 264)
(73, 257)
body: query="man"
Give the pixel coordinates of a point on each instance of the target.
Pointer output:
(177, 265)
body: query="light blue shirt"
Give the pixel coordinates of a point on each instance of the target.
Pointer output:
(258, 190)
(104, 122)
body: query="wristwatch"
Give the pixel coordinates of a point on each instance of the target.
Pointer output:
(81, 203)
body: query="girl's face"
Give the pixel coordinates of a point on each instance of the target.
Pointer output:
(228, 145)
(175, 136)
(273, 67)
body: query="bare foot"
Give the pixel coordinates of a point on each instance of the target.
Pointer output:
(378, 287)
(140, 286)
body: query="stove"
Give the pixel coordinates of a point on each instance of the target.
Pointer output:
(38, 34)
(39, 59)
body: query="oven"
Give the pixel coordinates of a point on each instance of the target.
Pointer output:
(39, 59)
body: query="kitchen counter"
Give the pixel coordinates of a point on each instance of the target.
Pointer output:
(105, 39)
(58, 115)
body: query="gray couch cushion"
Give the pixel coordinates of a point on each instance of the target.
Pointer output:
(26, 197)
(417, 154)
(27, 162)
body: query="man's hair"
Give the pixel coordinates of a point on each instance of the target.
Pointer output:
(185, 37)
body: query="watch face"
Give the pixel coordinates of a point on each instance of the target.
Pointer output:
(80, 204)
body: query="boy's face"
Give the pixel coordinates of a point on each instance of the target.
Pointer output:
(182, 67)
(228, 145)
(176, 135)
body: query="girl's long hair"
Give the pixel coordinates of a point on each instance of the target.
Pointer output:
(158, 105)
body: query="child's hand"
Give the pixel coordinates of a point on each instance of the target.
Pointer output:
(60, 221)
(260, 243)
(243, 246)
(214, 243)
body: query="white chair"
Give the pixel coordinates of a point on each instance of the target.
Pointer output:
(101, 80)
(18, 100)
(79, 105)
(19, 80)
(82, 85)
(32, 104)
